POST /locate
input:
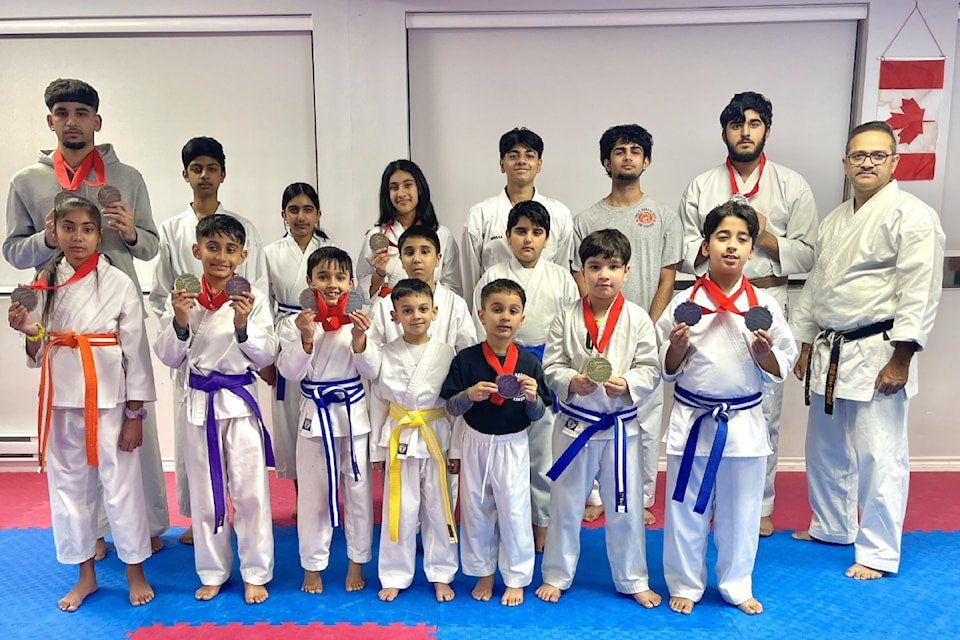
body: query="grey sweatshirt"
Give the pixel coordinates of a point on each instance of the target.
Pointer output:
(32, 191)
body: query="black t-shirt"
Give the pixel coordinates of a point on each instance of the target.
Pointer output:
(470, 367)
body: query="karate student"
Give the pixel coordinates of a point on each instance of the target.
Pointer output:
(494, 464)
(80, 165)
(90, 313)
(788, 226)
(715, 472)
(867, 308)
(404, 202)
(597, 434)
(549, 289)
(204, 169)
(409, 446)
(484, 244)
(217, 341)
(316, 352)
(286, 262)
(656, 237)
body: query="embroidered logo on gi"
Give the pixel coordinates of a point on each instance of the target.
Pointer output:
(645, 217)
(497, 236)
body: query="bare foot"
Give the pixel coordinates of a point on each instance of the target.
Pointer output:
(751, 607)
(187, 536)
(512, 597)
(648, 518)
(155, 544)
(140, 590)
(388, 595)
(312, 583)
(648, 598)
(803, 535)
(548, 593)
(858, 571)
(254, 593)
(483, 590)
(539, 538)
(592, 512)
(681, 605)
(767, 528)
(207, 592)
(86, 584)
(101, 550)
(443, 591)
(355, 580)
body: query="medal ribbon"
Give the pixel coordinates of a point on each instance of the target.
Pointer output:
(331, 318)
(207, 299)
(733, 178)
(508, 367)
(591, 321)
(720, 299)
(85, 267)
(92, 161)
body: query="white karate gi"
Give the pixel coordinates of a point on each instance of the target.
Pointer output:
(883, 261)
(177, 237)
(786, 200)
(549, 289)
(632, 352)
(447, 272)
(411, 377)
(484, 241)
(331, 360)
(287, 277)
(213, 347)
(719, 365)
(104, 301)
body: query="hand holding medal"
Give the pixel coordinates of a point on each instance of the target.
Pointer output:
(238, 290)
(22, 301)
(758, 320)
(117, 214)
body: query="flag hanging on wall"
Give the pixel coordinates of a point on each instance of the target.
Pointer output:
(909, 101)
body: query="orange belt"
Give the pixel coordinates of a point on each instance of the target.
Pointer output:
(85, 342)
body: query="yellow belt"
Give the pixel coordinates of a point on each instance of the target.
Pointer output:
(421, 420)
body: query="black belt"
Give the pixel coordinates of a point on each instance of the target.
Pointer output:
(836, 340)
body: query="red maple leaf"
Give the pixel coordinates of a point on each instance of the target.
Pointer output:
(909, 122)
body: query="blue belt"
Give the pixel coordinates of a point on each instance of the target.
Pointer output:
(280, 388)
(599, 422)
(536, 351)
(719, 409)
(323, 393)
(236, 384)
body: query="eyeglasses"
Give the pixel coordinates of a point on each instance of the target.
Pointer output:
(857, 158)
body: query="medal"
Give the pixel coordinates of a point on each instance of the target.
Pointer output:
(598, 369)
(758, 318)
(237, 286)
(508, 385)
(687, 313)
(379, 241)
(108, 195)
(308, 299)
(354, 302)
(187, 282)
(504, 370)
(26, 296)
(733, 179)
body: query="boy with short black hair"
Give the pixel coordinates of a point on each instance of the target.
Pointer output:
(499, 389)
(720, 346)
(216, 347)
(601, 361)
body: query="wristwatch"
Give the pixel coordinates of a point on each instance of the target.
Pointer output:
(130, 414)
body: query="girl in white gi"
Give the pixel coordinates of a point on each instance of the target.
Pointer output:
(549, 289)
(286, 263)
(404, 202)
(411, 443)
(716, 473)
(91, 331)
(333, 422)
(217, 346)
(597, 435)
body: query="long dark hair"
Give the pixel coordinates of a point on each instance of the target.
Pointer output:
(304, 189)
(49, 270)
(425, 213)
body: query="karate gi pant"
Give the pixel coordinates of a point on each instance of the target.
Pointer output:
(313, 509)
(242, 463)
(75, 488)
(859, 459)
(286, 428)
(650, 417)
(540, 439)
(772, 405)
(735, 510)
(179, 459)
(495, 527)
(624, 532)
(420, 497)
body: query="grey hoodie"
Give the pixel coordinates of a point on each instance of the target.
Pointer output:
(32, 191)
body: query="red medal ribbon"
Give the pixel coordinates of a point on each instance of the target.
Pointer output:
(591, 321)
(92, 161)
(331, 318)
(507, 368)
(85, 267)
(208, 300)
(733, 178)
(720, 299)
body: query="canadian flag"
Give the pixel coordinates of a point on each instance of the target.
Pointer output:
(909, 101)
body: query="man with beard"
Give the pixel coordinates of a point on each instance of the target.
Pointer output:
(788, 228)
(656, 238)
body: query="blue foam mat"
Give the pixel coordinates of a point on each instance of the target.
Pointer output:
(801, 585)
